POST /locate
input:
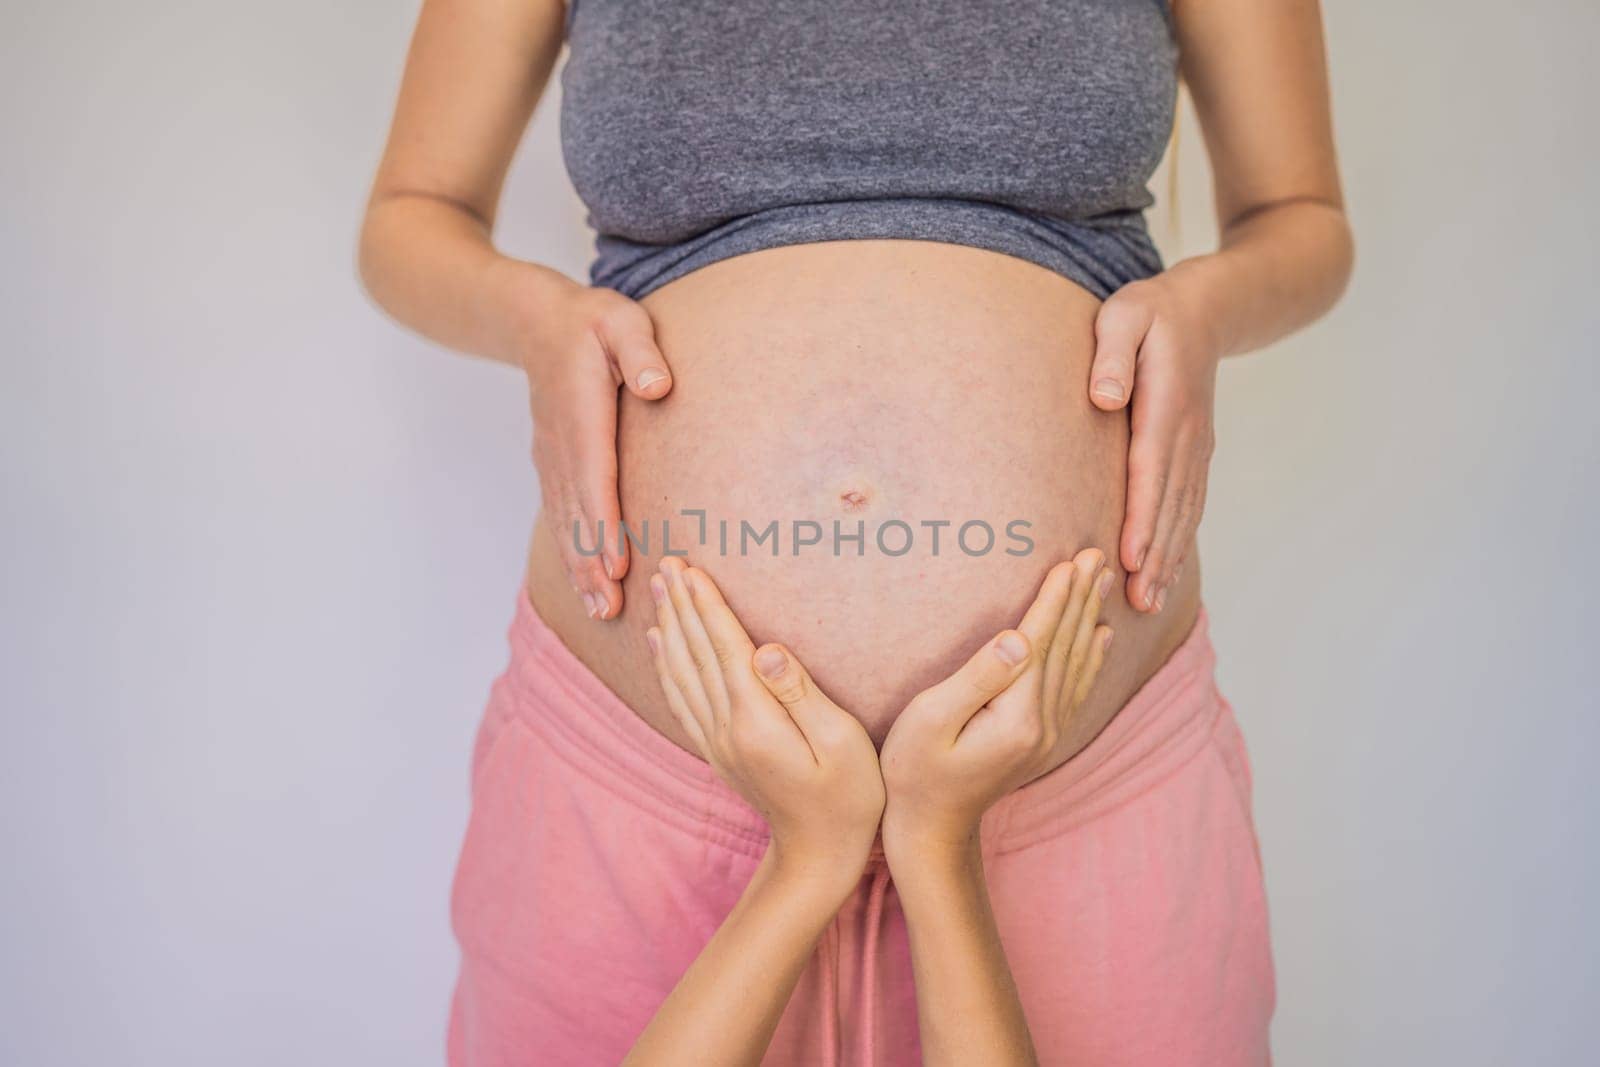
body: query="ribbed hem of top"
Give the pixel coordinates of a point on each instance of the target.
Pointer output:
(1101, 254)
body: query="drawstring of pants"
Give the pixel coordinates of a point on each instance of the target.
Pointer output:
(828, 949)
(869, 964)
(829, 952)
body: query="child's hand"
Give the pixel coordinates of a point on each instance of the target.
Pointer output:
(998, 722)
(798, 758)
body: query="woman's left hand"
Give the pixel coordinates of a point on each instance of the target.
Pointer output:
(1155, 344)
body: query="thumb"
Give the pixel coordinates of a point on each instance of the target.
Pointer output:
(791, 685)
(982, 678)
(630, 337)
(1119, 330)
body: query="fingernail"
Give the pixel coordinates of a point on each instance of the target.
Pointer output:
(650, 376)
(1109, 389)
(1138, 564)
(658, 588)
(1149, 596)
(1161, 598)
(611, 567)
(688, 583)
(591, 602)
(770, 662)
(1103, 587)
(1011, 649)
(1105, 646)
(653, 639)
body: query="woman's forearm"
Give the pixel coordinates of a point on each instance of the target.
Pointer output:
(430, 264)
(1278, 269)
(727, 1005)
(967, 1004)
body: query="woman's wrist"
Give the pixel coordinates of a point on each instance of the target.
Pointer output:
(519, 299)
(1201, 291)
(1278, 269)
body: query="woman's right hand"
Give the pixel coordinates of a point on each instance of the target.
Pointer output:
(795, 756)
(578, 346)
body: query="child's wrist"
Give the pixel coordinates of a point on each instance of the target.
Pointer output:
(922, 850)
(814, 879)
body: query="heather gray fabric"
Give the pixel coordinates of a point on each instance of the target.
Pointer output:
(695, 130)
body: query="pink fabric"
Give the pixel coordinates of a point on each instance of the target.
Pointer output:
(600, 858)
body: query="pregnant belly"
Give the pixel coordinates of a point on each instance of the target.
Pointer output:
(877, 449)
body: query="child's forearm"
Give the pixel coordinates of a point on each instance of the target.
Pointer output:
(967, 1004)
(727, 1005)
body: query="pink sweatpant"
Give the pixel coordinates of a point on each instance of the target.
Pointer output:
(600, 858)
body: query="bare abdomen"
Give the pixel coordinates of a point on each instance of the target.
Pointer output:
(915, 394)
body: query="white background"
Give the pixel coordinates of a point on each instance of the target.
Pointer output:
(260, 548)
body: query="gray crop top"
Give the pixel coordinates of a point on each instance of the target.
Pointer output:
(696, 130)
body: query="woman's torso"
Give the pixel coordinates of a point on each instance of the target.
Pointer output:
(864, 382)
(699, 129)
(872, 239)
